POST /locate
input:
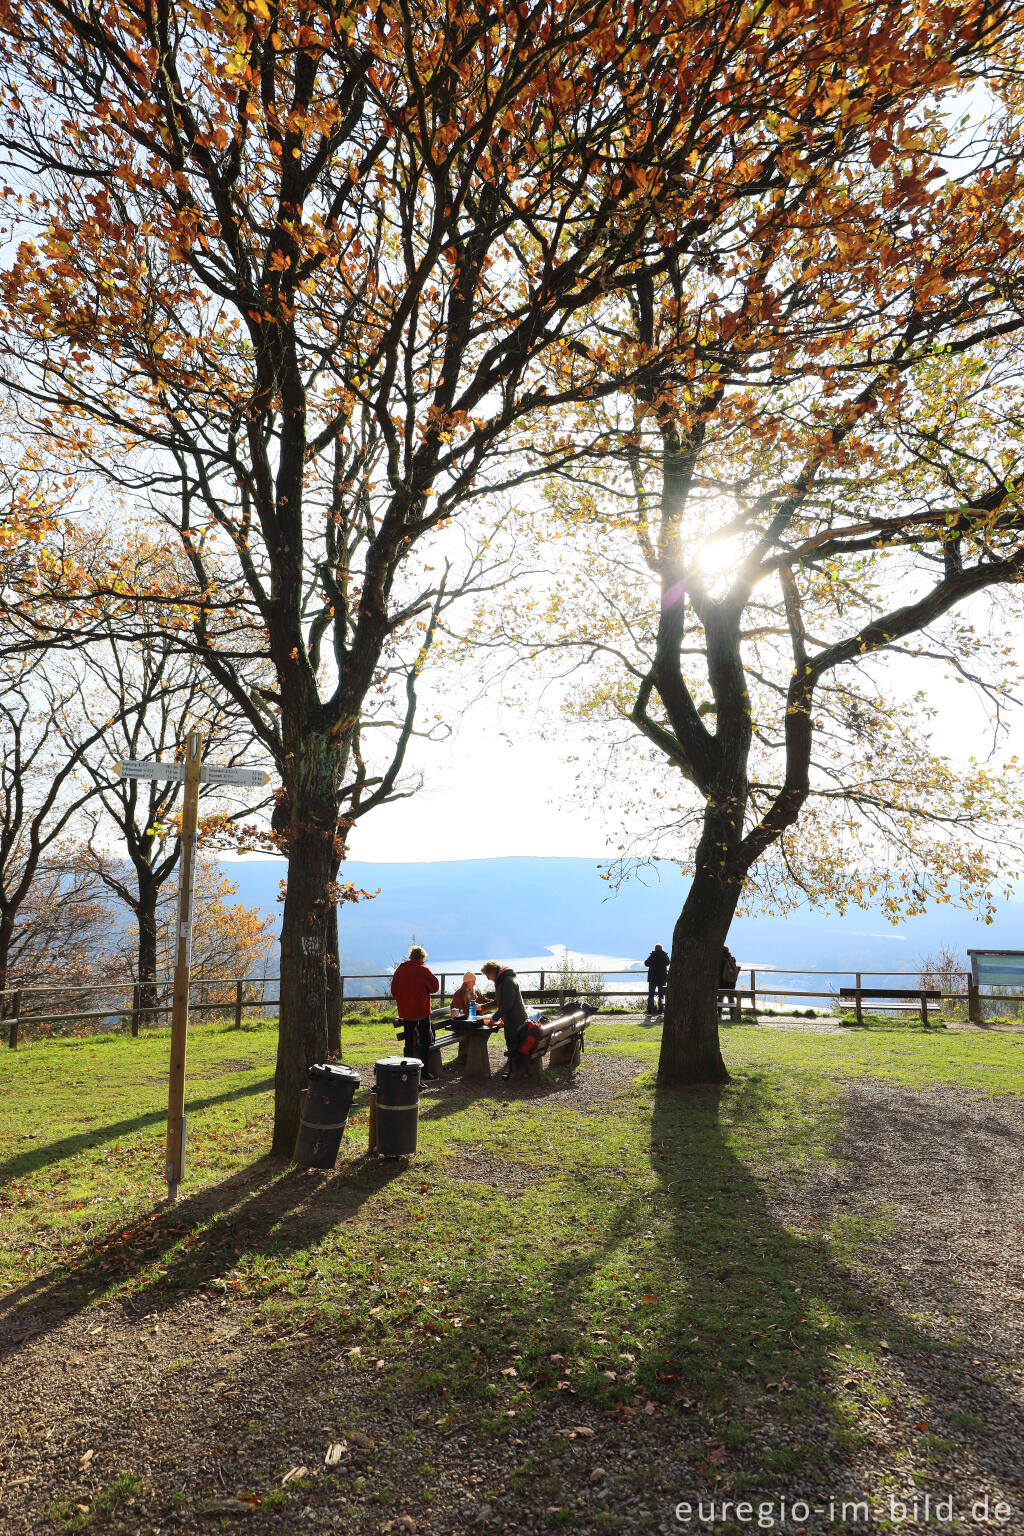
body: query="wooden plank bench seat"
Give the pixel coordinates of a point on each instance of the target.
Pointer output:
(561, 1040)
(732, 999)
(925, 997)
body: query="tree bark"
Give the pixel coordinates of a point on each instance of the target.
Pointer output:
(690, 1049)
(333, 982)
(310, 838)
(147, 949)
(6, 935)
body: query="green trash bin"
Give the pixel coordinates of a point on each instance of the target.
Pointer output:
(328, 1100)
(398, 1104)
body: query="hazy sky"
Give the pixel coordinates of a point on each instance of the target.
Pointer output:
(486, 795)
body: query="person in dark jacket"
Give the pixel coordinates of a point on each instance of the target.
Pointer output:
(509, 1007)
(412, 986)
(728, 974)
(657, 976)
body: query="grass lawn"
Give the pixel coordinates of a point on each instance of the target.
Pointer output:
(705, 1272)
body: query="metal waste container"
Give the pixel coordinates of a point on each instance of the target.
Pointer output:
(398, 1104)
(328, 1100)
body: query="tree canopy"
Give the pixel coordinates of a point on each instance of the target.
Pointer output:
(303, 283)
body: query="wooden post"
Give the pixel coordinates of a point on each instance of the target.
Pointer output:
(973, 990)
(478, 1058)
(924, 1010)
(371, 1145)
(444, 983)
(175, 1170)
(12, 1033)
(341, 999)
(858, 1006)
(753, 992)
(238, 1003)
(541, 999)
(136, 1006)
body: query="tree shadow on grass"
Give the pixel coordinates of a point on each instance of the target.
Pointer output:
(785, 1344)
(454, 1094)
(28, 1162)
(267, 1211)
(755, 1354)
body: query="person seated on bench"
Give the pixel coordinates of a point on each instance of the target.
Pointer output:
(509, 1009)
(464, 995)
(461, 999)
(411, 987)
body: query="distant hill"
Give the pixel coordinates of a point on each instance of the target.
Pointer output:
(522, 906)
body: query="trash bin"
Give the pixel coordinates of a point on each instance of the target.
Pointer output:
(328, 1100)
(398, 1104)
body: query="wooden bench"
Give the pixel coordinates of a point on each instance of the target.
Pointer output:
(731, 999)
(925, 997)
(561, 1040)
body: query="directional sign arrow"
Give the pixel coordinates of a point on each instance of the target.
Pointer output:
(131, 769)
(208, 774)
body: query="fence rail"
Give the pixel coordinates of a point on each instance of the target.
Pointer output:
(241, 993)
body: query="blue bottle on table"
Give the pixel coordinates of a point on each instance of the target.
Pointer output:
(472, 1010)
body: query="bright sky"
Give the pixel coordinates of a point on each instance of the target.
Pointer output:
(488, 795)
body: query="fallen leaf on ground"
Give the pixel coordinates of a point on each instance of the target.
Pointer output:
(294, 1473)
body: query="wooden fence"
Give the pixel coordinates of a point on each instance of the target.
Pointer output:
(23, 1006)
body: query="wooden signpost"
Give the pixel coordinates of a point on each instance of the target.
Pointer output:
(192, 772)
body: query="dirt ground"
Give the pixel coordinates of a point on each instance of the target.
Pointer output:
(85, 1395)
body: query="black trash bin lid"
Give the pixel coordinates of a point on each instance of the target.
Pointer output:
(333, 1069)
(398, 1064)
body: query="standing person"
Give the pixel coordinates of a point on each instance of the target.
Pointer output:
(728, 974)
(509, 1007)
(657, 976)
(412, 986)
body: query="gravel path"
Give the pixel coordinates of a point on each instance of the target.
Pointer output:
(86, 1395)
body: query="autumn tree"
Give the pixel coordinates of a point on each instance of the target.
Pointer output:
(229, 939)
(293, 271)
(820, 506)
(43, 792)
(132, 828)
(62, 930)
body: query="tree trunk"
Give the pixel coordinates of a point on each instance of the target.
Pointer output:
(690, 1050)
(147, 951)
(333, 982)
(6, 935)
(310, 843)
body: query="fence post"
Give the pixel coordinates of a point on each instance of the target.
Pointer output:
(444, 986)
(341, 998)
(238, 1003)
(858, 1006)
(136, 1005)
(542, 989)
(753, 992)
(12, 1036)
(973, 1001)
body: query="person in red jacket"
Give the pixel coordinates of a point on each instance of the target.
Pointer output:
(412, 986)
